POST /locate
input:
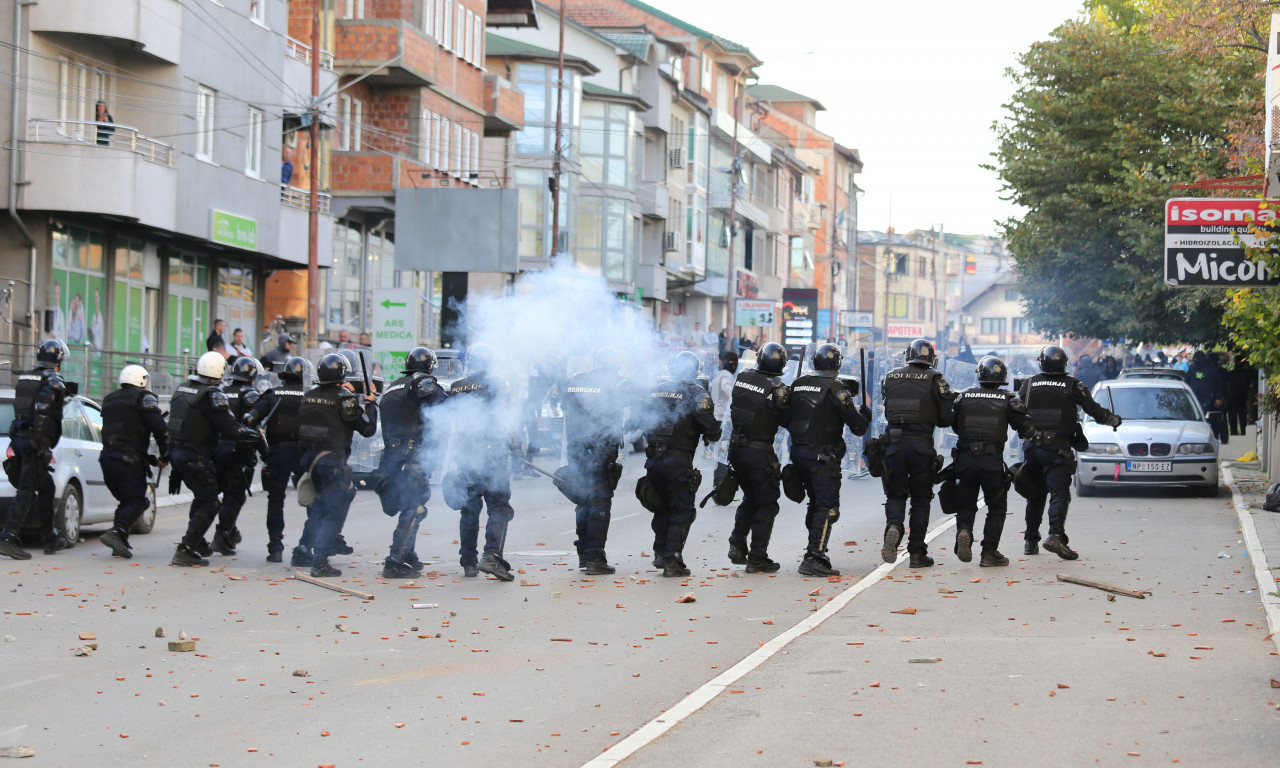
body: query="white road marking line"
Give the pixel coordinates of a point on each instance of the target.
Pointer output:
(574, 531)
(1266, 581)
(655, 728)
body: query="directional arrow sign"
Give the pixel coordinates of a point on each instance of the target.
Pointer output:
(388, 304)
(395, 325)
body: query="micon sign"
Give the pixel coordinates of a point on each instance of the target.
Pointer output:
(1205, 240)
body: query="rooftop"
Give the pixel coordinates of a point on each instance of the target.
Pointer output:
(497, 45)
(635, 43)
(764, 92)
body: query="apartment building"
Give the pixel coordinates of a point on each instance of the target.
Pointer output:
(132, 233)
(908, 298)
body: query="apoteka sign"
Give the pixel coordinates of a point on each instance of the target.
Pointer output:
(1205, 241)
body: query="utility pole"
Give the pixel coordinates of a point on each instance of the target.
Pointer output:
(888, 252)
(555, 162)
(313, 207)
(937, 303)
(835, 270)
(730, 274)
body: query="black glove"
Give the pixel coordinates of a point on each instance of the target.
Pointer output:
(865, 413)
(1115, 421)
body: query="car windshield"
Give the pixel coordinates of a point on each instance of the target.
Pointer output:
(1153, 404)
(6, 415)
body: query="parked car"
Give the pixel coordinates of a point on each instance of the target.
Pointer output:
(1153, 373)
(1164, 440)
(83, 498)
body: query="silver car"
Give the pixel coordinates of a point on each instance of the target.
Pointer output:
(1164, 440)
(82, 495)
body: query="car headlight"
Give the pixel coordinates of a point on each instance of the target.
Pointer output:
(1187, 449)
(1103, 449)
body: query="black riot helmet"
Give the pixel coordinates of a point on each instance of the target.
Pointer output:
(333, 369)
(51, 354)
(827, 358)
(420, 359)
(1053, 359)
(685, 366)
(729, 361)
(992, 370)
(283, 340)
(771, 359)
(608, 359)
(294, 370)
(244, 369)
(479, 358)
(920, 352)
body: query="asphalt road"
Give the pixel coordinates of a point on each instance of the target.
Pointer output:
(555, 668)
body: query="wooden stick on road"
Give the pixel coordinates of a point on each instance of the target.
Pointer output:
(1140, 594)
(331, 585)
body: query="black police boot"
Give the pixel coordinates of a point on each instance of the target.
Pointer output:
(1057, 546)
(236, 538)
(1031, 547)
(301, 557)
(892, 537)
(275, 554)
(964, 545)
(992, 559)
(659, 560)
(599, 566)
(921, 560)
(761, 564)
(9, 547)
(320, 568)
(470, 570)
(816, 565)
(495, 566)
(397, 569)
(224, 542)
(202, 549)
(118, 541)
(341, 547)
(56, 544)
(411, 560)
(674, 566)
(187, 557)
(737, 555)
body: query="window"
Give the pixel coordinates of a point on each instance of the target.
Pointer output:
(465, 165)
(253, 144)
(424, 138)
(920, 309)
(707, 65)
(444, 21)
(1020, 325)
(460, 29)
(344, 123)
(1011, 294)
(605, 143)
(992, 325)
(724, 94)
(456, 165)
(436, 140)
(351, 9)
(898, 263)
(469, 53)
(256, 11)
(898, 304)
(445, 159)
(429, 17)
(475, 154)
(478, 30)
(357, 119)
(206, 99)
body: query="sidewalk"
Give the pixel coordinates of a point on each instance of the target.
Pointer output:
(1010, 667)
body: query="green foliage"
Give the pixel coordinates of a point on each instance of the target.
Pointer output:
(1103, 122)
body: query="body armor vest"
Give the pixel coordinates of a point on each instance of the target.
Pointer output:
(401, 411)
(24, 396)
(982, 414)
(187, 422)
(814, 420)
(320, 424)
(122, 424)
(908, 396)
(676, 406)
(1050, 404)
(593, 405)
(282, 427)
(751, 407)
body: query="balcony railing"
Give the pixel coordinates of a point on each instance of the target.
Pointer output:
(301, 199)
(48, 130)
(302, 52)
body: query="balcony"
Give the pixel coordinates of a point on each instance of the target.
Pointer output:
(654, 200)
(299, 50)
(294, 197)
(142, 185)
(152, 26)
(503, 106)
(390, 51)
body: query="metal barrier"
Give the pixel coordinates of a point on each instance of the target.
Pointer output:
(301, 199)
(97, 371)
(107, 135)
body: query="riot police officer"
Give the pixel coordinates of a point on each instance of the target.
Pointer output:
(759, 405)
(200, 415)
(680, 411)
(234, 458)
(404, 476)
(484, 436)
(130, 418)
(277, 358)
(35, 431)
(330, 413)
(821, 407)
(983, 415)
(1051, 398)
(593, 408)
(276, 412)
(916, 401)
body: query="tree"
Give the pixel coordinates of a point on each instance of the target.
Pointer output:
(1103, 122)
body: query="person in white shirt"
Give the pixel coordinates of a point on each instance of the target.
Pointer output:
(721, 394)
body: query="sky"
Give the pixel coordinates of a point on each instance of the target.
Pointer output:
(913, 86)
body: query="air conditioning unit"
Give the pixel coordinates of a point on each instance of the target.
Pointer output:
(676, 157)
(671, 241)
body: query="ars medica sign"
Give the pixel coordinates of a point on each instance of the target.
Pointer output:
(1205, 241)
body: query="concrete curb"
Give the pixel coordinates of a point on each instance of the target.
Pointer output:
(1261, 572)
(708, 691)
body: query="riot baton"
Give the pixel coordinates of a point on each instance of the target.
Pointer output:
(1112, 402)
(364, 371)
(540, 470)
(862, 362)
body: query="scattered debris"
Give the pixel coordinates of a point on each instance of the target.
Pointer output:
(823, 762)
(301, 673)
(84, 651)
(88, 636)
(17, 752)
(1105, 587)
(419, 606)
(909, 611)
(330, 585)
(687, 598)
(159, 631)
(182, 646)
(923, 661)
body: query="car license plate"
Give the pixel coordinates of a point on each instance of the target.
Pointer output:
(1150, 466)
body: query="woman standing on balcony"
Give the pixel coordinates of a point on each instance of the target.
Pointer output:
(101, 116)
